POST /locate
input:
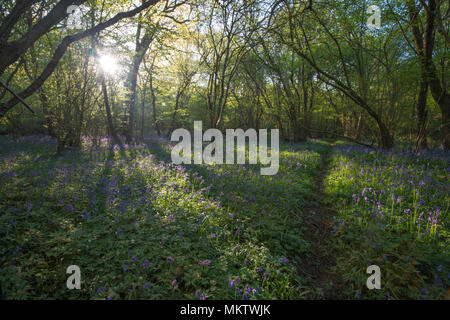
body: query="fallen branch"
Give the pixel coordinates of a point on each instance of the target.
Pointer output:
(343, 137)
(338, 135)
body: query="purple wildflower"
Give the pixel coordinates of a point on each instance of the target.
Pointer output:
(146, 263)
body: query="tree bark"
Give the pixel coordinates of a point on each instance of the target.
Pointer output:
(112, 131)
(153, 99)
(424, 47)
(143, 112)
(142, 46)
(12, 51)
(10, 20)
(421, 142)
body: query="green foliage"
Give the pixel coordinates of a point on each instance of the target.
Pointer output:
(392, 211)
(134, 224)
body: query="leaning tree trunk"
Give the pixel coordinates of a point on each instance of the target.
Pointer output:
(385, 140)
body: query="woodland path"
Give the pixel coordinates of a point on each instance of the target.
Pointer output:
(319, 213)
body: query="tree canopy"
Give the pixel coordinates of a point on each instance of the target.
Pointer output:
(308, 68)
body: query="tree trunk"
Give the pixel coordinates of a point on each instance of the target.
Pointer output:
(424, 45)
(359, 127)
(174, 115)
(385, 140)
(152, 92)
(143, 113)
(112, 131)
(421, 142)
(142, 46)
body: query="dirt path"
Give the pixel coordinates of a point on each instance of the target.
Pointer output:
(318, 218)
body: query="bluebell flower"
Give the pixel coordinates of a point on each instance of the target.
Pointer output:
(204, 262)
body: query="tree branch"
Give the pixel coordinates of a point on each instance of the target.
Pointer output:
(4, 107)
(17, 97)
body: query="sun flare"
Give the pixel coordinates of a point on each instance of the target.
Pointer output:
(108, 64)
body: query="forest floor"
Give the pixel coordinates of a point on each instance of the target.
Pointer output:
(140, 227)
